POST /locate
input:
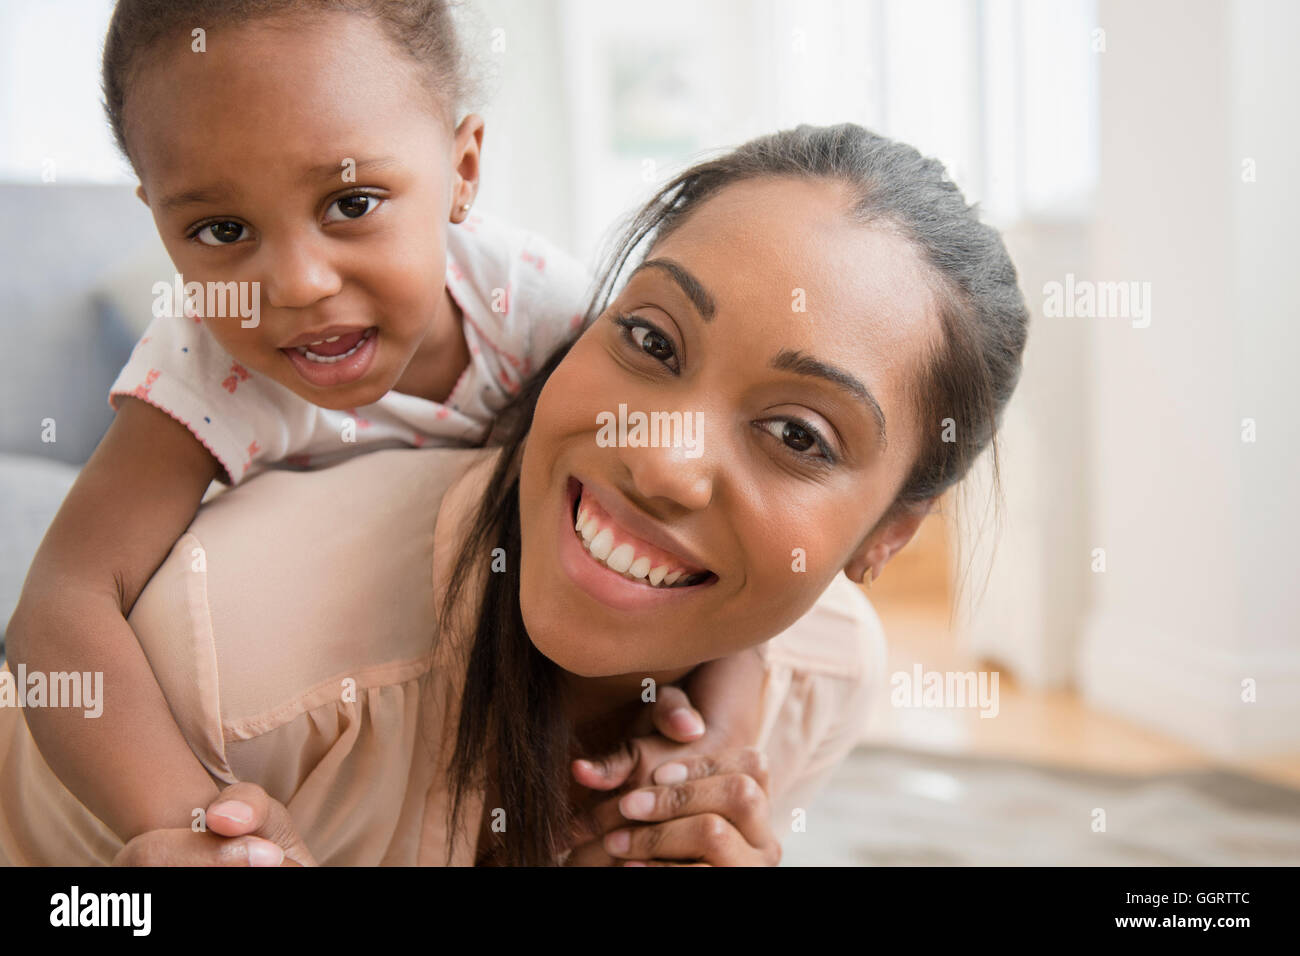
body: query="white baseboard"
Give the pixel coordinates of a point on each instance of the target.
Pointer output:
(1189, 692)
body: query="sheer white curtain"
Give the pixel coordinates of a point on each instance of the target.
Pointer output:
(1002, 91)
(52, 128)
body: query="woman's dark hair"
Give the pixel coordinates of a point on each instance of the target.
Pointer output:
(423, 29)
(511, 717)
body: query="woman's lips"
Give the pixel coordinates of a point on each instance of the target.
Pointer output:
(335, 363)
(623, 552)
(627, 590)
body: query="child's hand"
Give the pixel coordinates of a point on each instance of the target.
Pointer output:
(246, 827)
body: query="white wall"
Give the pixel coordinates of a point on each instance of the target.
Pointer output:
(1198, 526)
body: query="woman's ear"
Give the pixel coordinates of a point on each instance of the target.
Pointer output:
(139, 191)
(887, 539)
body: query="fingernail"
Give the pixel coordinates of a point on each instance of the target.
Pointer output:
(235, 810)
(637, 805)
(618, 841)
(264, 853)
(670, 773)
(685, 722)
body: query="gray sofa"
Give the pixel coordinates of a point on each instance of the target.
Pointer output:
(76, 272)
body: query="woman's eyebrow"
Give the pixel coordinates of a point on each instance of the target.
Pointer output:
(800, 364)
(696, 292)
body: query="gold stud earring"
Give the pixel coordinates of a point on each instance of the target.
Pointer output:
(867, 578)
(464, 207)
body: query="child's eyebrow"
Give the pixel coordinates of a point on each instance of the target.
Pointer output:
(193, 197)
(327, 170)
(223, 190)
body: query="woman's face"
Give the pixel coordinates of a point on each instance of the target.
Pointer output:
(776, 340)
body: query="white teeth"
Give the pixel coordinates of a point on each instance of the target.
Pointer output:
(621, 558)
(331, 359)
(602, 544)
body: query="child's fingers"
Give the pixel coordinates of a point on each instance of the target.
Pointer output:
(674, 717)
(245, 808)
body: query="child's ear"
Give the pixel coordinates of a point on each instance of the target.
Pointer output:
(466, 156)
(887, 539)
(139, 191)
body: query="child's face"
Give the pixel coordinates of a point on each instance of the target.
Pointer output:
(798, 371)
(305, 154)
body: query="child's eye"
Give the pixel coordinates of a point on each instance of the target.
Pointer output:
(800, 437)
(352, 207)
(221, 233)
(648, 339)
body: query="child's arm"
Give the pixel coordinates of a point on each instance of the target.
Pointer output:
(131, 766)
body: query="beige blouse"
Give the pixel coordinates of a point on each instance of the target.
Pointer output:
(292, 630)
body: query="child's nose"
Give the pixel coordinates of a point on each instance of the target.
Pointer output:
(297, 274)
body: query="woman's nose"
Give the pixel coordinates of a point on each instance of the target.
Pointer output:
(297, 273)
(681, 472)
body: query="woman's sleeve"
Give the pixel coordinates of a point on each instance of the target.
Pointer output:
(174, 626)
(291, 630)
(825, 675)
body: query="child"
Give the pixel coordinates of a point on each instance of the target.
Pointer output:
(300, 159)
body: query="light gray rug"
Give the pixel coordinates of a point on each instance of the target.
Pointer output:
(893, 807)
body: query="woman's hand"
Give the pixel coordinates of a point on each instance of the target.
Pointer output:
(703, 811)
(245, 827)
(670, 728)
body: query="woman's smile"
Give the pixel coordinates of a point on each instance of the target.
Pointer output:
(616, 567)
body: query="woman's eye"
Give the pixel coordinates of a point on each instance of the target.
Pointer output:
(652, 343)
(352, 207)
(648, 340)
(797, 437)
(220, 233)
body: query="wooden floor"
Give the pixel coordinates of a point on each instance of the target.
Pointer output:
(1054, 727)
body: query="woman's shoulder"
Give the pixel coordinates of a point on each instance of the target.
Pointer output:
(839, 638)
(296, 582)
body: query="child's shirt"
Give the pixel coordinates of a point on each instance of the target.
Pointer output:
(521, 297)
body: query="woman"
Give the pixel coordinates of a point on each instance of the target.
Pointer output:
(842, 332)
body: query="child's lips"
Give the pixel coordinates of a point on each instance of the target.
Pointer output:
(337, 332)
(353, 354)
(333, 346)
